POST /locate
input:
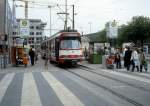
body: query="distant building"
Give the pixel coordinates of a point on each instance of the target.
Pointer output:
(34, 34)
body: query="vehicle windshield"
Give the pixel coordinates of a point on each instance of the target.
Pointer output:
(70, 44)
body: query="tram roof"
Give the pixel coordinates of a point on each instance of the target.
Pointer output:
(61, 31)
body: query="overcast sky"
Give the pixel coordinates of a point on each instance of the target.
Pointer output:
(91, 14)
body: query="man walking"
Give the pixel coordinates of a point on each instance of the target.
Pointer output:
(127, 58)
(142, 59)
(32, 56)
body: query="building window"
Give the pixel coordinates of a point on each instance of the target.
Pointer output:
(15, 27)
(31, 27)
(31, 33)
(32, 46)
(37, 27)
(40, 38)
(31, 38)
(37, 38)
(38, 33)
(37, 41)
(15, 33)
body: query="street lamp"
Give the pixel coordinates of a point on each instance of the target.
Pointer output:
(50, 19)
(90, 23)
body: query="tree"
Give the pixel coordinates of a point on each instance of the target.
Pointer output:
(102, 36)
(137, 30)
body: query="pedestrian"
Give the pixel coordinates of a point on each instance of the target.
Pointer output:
(118, 60)
(25, 59)
(127, 58)
(36, 57)
(85, 53)
(135, 59)
(46, 60)
(142, 59)
(32, 56)
(124, 50)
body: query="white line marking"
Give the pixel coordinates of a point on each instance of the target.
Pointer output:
(4, 84)
(64, 94)
(30, 96)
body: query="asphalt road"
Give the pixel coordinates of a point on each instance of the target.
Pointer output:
(72, 86)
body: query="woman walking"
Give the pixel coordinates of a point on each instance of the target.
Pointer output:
(142, 59)
(135, 59)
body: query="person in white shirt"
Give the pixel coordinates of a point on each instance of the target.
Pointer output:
(135, 59)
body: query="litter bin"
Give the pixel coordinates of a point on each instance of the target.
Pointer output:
(96, 59)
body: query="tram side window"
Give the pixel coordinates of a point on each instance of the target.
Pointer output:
(53, 45)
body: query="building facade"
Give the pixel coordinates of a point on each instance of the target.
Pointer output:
(35, 32)
(6, 29)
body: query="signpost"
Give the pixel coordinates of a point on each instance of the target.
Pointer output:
(24, 28)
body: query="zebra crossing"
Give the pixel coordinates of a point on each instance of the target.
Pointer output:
(53, 88)
(4, 84)
(30, 94)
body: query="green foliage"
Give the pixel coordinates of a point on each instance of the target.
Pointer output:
(136, 30)
(102, 36)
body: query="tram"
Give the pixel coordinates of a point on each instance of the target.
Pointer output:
(63, 47)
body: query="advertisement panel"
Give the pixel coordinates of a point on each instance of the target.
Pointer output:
(112, 29)
(24, 32)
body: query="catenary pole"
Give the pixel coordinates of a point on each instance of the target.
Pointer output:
(73, 22)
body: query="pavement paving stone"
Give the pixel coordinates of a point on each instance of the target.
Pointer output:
(100, 66)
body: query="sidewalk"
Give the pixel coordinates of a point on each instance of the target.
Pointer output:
(38, 66)
(100, 66)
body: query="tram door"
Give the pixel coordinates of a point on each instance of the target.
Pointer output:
(57, 48)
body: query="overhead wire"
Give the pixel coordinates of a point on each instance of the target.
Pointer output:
(42, 5)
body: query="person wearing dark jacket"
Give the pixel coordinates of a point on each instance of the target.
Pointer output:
(118, 60)
(32, 55)
(127, 58)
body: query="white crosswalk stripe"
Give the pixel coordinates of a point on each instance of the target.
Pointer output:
(30, 96)
(4, 84)
(64, 94)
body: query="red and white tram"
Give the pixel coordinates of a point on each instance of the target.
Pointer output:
(64, 47)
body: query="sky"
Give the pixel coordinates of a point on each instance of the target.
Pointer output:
(91, 15)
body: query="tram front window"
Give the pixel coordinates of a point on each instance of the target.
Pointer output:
(70, 44)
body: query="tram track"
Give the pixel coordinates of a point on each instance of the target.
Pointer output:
(112, 78)
(135, 74)
(132, 73)
(129, 100)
